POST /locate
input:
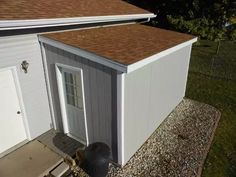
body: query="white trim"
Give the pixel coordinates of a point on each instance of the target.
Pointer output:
(157, 56)
(120, 116)
(36, 23)
(88, 55)
(49, 91)
(110, 63)
(84, 106)
(62, 97)
(20, 98)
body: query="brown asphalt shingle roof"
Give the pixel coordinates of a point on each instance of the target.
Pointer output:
(125, 44)
(44, 9)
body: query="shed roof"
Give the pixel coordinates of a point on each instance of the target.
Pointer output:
(51, 9)
(125, 44)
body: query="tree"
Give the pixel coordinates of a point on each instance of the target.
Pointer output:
(199, 17)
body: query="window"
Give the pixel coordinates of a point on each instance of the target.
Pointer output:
(73, 89)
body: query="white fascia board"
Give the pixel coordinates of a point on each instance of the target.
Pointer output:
(157, 56)
(83, 53)
(36, 23)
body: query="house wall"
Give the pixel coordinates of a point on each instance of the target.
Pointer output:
(14, 50)
(100, 95)
(150, 94)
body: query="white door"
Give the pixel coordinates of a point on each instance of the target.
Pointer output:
(12, 131)
(72, 81)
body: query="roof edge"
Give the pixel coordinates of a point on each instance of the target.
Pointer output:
(38, 23)
(112, 64)
(155, 57)
(83, 53)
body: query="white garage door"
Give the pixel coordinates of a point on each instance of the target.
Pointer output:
(12, 131)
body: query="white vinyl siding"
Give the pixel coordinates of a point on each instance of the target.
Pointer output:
(14, 50)
(150, 94)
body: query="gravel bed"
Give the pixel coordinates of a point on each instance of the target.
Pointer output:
(179, 146)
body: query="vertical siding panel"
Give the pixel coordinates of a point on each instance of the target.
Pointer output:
(105, 107)
(94, 102)
(101, 108)
(98, 93)
(149, 97)
(107, 91)
(113, 106)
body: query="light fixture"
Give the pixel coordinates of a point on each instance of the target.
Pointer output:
(24, 66)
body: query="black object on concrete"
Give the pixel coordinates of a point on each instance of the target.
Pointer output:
(96, 159)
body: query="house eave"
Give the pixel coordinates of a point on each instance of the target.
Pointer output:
(39, 23)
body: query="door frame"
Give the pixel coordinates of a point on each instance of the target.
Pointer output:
(13, 70)
(61, 92)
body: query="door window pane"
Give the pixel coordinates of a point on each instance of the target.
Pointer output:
(69, 89)
(70, 100)
(73, 89)
(68, 77)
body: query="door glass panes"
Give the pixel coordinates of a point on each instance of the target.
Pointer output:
(73, 89)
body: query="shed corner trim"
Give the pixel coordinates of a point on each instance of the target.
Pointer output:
(120, 116)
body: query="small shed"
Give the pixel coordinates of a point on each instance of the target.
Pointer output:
(115, 84)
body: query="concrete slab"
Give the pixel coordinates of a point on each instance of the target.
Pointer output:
(31, 160)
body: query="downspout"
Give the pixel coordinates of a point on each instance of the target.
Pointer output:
(145, 21)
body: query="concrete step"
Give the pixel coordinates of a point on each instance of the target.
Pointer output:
(60, 170)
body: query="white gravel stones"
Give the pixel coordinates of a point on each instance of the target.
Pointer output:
(178, 147)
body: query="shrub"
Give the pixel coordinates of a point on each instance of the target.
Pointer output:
(232, 35)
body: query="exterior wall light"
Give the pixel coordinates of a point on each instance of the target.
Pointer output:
(24, 66)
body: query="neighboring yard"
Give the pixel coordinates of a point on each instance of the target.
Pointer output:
(216, 85)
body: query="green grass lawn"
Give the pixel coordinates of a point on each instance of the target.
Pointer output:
(215, 84)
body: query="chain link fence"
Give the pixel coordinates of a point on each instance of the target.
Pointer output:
(207, 61)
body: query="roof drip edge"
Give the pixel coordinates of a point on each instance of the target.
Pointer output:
(38, 23)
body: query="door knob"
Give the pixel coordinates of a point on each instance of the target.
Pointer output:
(18, 112)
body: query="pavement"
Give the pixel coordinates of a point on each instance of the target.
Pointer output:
(31, 160)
